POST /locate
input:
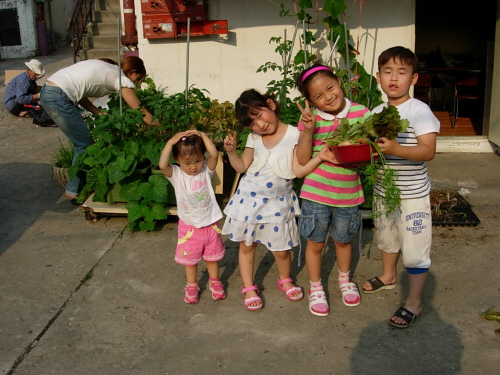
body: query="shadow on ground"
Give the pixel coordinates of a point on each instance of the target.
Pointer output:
(421, 348)
(27, 191)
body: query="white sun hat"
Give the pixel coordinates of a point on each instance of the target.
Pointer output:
(36, 66)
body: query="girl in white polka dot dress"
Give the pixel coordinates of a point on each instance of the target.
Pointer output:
(264, 207)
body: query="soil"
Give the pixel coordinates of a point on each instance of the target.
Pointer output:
(449, 207)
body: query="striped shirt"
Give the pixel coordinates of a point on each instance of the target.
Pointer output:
(331, 184)
(412, 178)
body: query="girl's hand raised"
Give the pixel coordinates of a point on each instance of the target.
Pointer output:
(177, 137)
(230, 141)
(307, 119)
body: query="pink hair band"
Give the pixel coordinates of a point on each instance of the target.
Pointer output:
(314, 70)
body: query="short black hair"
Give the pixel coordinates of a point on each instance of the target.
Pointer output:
(405, 55)
(190, 145)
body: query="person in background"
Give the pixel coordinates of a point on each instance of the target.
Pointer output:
(409, 229)
(74, 85)
(21, 95)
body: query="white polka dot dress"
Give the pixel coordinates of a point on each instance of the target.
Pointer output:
(263, 210)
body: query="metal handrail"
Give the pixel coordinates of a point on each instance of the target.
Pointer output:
(81, 16)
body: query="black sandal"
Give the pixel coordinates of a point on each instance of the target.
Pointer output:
(404, 314)
(378, 285)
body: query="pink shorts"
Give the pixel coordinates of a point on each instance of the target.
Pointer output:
(194, 244)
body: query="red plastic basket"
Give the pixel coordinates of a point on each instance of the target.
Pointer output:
(354, 153)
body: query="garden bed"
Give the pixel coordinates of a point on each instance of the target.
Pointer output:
(449, 207)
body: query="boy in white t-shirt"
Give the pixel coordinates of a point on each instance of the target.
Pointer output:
(410, 228)
(198, 211)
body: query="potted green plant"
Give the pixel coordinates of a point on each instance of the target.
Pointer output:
(61, 162)
(356, 143)
(123, 161)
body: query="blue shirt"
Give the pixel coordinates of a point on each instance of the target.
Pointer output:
(19, 90)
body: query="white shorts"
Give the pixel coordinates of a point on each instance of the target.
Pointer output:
(408, 230)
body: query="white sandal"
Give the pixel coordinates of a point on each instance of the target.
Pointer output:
(350, 289)
(316, 300)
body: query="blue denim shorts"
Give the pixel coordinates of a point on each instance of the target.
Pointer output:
(317, 219)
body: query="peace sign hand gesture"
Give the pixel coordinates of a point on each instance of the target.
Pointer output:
(230, 141)
(307, 119)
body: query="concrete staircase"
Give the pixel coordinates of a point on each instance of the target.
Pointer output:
(102, 36)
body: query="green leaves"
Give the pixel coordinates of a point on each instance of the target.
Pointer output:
(387, 123)
(345, 132)
(334, 7)
(143, 214)
(146, 200)
(379, 172)
(125, 150)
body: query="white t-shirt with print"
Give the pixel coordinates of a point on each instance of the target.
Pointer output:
(196, 203)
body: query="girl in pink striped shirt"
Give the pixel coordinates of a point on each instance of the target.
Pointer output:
(331, 193)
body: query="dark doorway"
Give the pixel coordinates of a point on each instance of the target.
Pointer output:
(451, 42)
(9, 28)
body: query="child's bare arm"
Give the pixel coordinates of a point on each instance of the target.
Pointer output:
(164, 162)
(424, 151)
(239, 163)
(213, 154)
(303, 170)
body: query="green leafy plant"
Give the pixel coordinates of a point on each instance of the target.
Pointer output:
(378, 172)
(63, 156)
(126, 151)
(359, 86)
(387, 123)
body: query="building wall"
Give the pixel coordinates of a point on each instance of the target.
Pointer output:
(226, 68)
(57, 10)
(494, 124)
(61, 13)
(27, 27)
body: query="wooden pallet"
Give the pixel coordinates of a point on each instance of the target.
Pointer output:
(94, 210)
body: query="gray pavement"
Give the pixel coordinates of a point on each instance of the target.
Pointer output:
(91, 297)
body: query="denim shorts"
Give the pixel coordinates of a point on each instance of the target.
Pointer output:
(317, 219)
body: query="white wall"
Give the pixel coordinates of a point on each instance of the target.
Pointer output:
(27, 26)
(494, 125)
(27, 12)
(61, 12)
(226, 68)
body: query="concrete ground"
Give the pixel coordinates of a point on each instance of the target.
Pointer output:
(83, 297)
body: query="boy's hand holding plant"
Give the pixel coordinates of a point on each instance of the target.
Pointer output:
(388, 146)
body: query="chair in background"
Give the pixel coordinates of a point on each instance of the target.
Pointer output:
(422, 90)
(466, 88)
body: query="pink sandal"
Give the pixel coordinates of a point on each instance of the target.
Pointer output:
(250, 300)
(350, 290)
(191, 295)
(317, 303)
(217, 289)
(293, 289)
